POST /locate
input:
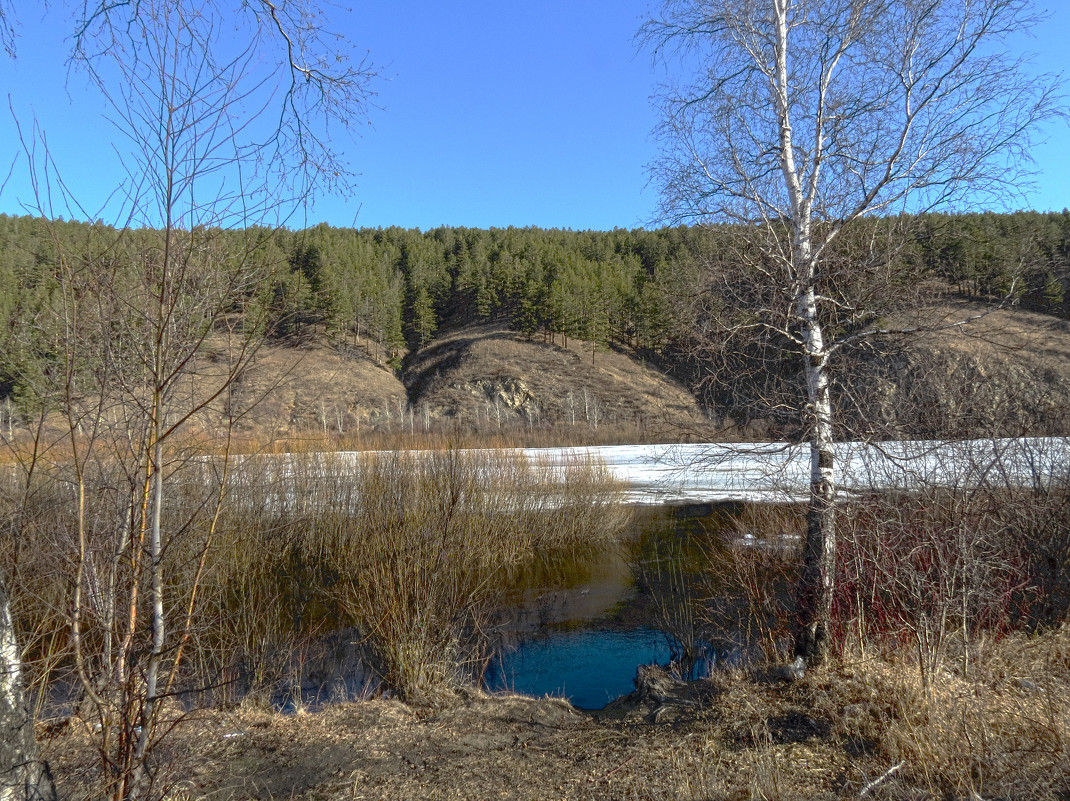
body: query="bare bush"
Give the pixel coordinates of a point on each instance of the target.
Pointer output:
(937, 570)
(749, 576)
(410, 551)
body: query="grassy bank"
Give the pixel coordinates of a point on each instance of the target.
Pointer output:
(265, 557)
(860, 728)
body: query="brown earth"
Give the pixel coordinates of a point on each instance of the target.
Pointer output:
(485, 747)
(1002, 732)
(317, 387)
(1003, 371)
(970, 371)
(490, 376)
(479, 379)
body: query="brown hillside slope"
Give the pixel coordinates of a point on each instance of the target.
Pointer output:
(1004, 372)
(488, 376)
(315, 387)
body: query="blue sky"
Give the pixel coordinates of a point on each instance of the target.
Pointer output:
(489, 114)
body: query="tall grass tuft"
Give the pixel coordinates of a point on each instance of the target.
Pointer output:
(411, 550)
(1001, 732)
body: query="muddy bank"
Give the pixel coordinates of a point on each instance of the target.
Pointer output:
(1002, 732)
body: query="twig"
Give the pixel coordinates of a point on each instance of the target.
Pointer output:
(880, 779)
(621, 765)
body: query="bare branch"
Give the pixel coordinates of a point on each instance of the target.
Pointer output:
(298, 74)
(807, 125)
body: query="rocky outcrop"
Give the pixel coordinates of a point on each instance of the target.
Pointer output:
(1004, 374)
(491, 377)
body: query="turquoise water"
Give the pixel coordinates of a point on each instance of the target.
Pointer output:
(583, 640)
(588, 667)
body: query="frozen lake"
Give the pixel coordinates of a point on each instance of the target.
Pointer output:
(704, 473)
(653, 475)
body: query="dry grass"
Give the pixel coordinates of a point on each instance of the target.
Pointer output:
(316, 390)
(450, 437)
(490, 379)
(435, 541)
(736, 737)
(1001, 733)
(859, 724)
(870, 728)
(409, 550)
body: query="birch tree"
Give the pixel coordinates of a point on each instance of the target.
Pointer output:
(224, 113)
(804, 120)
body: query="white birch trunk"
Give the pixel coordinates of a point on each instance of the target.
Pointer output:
(151, 708)
(817, 580)
(816, 583)
(23, 777)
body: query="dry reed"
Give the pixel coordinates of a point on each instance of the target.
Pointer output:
(409, 551)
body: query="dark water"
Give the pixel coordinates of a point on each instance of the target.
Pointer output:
(583, 634)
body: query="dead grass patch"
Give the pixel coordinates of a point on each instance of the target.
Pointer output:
(862, 725)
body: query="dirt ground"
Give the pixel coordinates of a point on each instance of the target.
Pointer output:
(482, 747)
(828, 736)
(867, 726)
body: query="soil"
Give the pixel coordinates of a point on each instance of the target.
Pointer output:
(1004, 372)
(483, 747)
(869, 723)
(315, 387)
(969, 370)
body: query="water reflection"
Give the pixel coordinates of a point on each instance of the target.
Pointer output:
(589, 667)
(584, 625)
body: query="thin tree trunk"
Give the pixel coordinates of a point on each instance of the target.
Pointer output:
(150, 712)
(814, 596)
(23, 776)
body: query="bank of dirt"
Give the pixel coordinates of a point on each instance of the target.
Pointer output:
(1002, 732)
(485, 747)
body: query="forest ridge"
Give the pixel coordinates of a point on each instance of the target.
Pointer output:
(394, 290)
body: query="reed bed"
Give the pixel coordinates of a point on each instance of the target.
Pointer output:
(405, 553)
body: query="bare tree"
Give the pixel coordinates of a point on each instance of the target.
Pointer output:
(808, 120)
(226, 112)
(22, 775)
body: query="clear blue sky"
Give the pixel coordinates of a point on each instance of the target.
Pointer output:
(490, 113)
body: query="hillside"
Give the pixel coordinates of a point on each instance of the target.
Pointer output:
(316, 387)
(488, 376)
(1006, 372)
(455, 330)
(481, 378)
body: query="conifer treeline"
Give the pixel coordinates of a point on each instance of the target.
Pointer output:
(400, 286)
(396, 287)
